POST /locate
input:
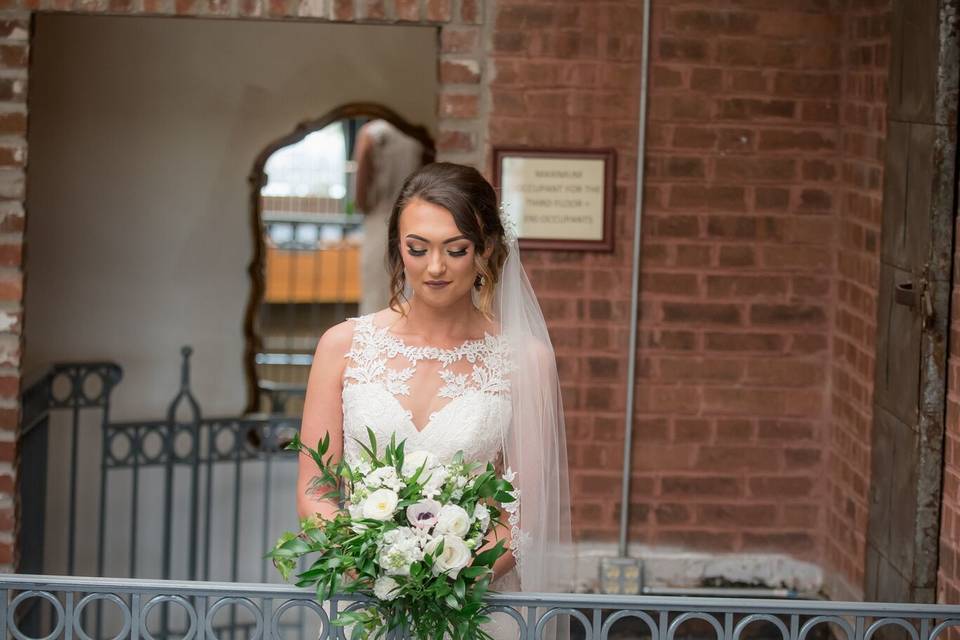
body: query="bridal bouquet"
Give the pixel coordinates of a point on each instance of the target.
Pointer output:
(412, 536)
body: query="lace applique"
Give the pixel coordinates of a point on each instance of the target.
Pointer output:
(373, 346)
(517, 537)
(397, 380)
(472, 421)
(456, 384)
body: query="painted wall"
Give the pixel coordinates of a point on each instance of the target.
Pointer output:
(142, 135)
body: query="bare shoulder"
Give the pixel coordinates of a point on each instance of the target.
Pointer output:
(387, 317)
(335, 341)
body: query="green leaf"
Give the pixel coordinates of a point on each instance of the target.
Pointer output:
(296, 546)
(473, 572)
(451, 601)
(294, 444)
(488, 557)
(459, 588)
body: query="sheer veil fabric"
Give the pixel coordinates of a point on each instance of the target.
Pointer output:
(534, 441)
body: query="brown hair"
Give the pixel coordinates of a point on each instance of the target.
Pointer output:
(467, 195)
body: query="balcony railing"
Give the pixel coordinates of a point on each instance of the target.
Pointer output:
(131, 608)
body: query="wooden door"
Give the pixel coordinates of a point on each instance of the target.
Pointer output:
(913, 306)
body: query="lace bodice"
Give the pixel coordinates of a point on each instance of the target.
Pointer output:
(472, 378)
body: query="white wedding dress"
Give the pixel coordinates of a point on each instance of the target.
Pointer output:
(469, 389)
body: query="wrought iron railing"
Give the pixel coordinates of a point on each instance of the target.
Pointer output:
(268, 612)
(180, 497)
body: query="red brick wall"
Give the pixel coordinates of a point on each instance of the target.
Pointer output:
(568, 75)
(737, 259)
(737, 273)
(858, 179)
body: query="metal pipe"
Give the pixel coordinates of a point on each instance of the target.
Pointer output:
(635, 281)
(728, 592)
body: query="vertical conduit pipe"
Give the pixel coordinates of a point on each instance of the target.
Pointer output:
(635, 280)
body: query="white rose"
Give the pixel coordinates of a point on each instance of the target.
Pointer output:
(380, 504)
(452, 519)
(385, 588)
(454, 557)
(416, 459)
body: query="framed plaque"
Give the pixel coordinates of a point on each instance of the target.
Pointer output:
(556, 198)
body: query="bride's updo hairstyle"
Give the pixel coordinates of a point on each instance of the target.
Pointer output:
(467, 195)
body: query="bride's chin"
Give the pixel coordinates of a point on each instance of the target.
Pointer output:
(438, 298)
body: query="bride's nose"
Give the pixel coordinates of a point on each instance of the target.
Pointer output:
(437, 265)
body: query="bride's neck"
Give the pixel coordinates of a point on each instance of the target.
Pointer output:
(453, 323)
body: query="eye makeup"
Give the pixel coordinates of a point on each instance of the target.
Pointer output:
(454, 253)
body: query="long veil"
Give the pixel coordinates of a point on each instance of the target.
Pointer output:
(534, 441)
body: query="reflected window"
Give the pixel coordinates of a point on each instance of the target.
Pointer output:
(311, 240)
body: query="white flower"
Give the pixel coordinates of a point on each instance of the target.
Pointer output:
(394, 536)
(481, 513)
(454, 557)
(385, 588)
(402, 547)
(380, 504)
(416, 459)
(363, 467)
(423, 514)
(460, 482)
(434, 483)
(454, 520)
(456, 494)
(384, 477)
(356, 512)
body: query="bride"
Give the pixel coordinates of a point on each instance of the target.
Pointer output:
(460, 360)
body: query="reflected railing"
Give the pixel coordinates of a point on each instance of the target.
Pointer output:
(130, 609)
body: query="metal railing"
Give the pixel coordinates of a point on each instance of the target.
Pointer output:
(183, 496)
(267, 612)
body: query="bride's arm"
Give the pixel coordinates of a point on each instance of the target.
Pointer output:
(322, 414)
(507, 561)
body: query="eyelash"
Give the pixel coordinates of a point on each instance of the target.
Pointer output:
(422, 252)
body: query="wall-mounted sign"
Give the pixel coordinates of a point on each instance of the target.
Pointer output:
(558, 199)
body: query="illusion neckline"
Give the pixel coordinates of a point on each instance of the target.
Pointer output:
(404, 345)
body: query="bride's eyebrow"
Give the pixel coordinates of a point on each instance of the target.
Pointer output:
(448, 240)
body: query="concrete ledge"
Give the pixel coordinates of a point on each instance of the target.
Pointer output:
(677, 567)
